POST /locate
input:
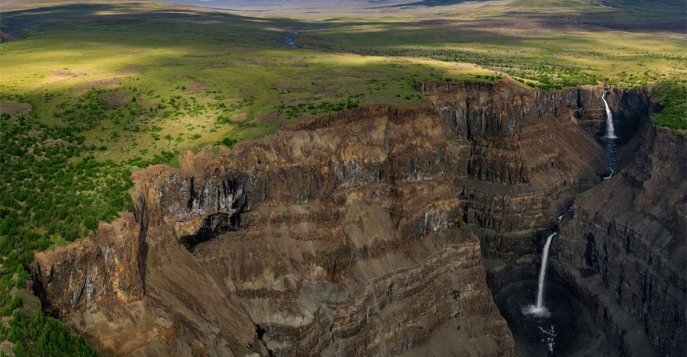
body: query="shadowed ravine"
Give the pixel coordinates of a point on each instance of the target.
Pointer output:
(384, 231)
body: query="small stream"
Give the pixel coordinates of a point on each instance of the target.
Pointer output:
(290, 40)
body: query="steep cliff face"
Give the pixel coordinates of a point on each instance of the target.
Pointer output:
(355, 233)
(625, 249)
(340, 236)
(519, 171)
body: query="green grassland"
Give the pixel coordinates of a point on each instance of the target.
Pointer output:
(93, 91)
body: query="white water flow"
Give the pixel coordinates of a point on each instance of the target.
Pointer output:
(610, 176)
(539, 309)
(610, 130)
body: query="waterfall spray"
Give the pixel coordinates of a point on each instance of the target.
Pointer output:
(539, 309)
(610, 130)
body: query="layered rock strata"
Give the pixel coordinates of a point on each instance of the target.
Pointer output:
(624, 250)
(353, 233)
(519, 170)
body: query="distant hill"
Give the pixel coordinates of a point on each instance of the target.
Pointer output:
(265, 5)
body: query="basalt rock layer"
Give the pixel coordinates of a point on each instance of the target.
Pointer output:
(521, 169)
(624, 251)
(354, 233)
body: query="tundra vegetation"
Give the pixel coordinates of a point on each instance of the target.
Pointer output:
(91, 91)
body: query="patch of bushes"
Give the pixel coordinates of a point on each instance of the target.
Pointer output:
(547, 76)
(99, 105)
(316, 108)
(488, 77)
(674, 99)
(229, 142)
(51, 190)
(38, 335)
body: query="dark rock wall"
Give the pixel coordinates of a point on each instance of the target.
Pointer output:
(626, 247)
(526, 158)
(623, 252)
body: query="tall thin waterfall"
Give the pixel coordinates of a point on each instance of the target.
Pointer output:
(539, 309)
(610, 139)
(610, 130)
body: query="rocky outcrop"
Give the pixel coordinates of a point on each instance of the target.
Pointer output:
(625, 251)
(354, 233)
(339, 236)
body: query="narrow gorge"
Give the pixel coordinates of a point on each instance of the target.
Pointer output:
(387, 231)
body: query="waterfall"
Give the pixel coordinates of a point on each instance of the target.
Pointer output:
(539, 309)
(610, 130)
(610, 136)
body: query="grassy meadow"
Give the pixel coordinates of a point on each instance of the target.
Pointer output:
(94, 90)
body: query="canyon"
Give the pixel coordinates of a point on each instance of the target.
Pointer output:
(380, 230)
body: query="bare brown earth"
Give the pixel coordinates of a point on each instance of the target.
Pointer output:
(63, 73)
(197, 87)
(5, 37)
(14, 107)
(132, 68)
(115, 98)
(100, 83)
